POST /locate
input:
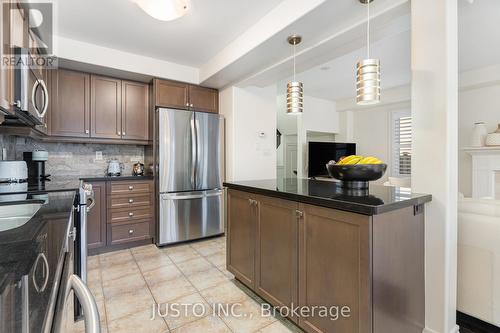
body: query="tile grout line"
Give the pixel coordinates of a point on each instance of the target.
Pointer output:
(147, 286)
(197, 290)
(103, 296)
(206, 300)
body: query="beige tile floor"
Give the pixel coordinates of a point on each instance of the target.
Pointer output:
(127, 283)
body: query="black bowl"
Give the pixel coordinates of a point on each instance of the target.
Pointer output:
(356, 175)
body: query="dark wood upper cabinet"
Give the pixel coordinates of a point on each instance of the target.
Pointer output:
(203, 99)
(96, 218)
(277, 251)
(70, 104)
(171, 94)
(178, 95)
(135, 110)
(334, 268)
(242, 217)
(5, 71)
(105, 107)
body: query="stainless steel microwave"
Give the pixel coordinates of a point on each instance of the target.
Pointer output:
(31, 95)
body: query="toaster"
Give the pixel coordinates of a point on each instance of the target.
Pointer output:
(13, 172)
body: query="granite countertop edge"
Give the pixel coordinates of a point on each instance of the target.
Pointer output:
(354, 207)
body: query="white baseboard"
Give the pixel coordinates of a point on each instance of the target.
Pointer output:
(455, 329)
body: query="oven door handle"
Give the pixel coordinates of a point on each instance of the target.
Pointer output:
(46, 270)
(90, 203)
(89, 306)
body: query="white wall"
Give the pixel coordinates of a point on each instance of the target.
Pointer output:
(92, 54)
(434, 98)
(249, 112)
(477, 102)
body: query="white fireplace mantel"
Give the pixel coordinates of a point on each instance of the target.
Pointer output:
(485, 167)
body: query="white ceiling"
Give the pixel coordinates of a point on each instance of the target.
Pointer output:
(479, 34)
(191, 40)
(336, 79)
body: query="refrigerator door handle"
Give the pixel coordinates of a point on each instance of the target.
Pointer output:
(194, 149)
(191, 196)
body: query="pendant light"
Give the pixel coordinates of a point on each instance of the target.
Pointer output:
(368, 72)
(294, 89)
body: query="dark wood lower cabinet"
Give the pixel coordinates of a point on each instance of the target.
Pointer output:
(123, 215)
(334, 268)
(96, 218)
(366, 271)
(241, 237)
(277, 251)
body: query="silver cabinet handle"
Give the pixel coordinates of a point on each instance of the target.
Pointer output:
(130, 187)
(131, 231)
(119, 133)
(90, 311)
(187, 104)
(123, 133)
(40, 83)
(86, 131)
(130, 214)
(130, 200)
(46, 280)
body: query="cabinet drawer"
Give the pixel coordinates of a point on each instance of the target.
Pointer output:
(130, 187)
(130, 201)
(123, 215)
(129, 232)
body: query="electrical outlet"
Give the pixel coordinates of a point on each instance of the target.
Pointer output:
(98, 155)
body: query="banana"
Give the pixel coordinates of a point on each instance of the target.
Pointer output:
(348, 160)
(370, 160)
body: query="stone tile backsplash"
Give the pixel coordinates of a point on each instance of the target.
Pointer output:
(75, 159)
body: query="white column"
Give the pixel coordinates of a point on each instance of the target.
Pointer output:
(435, 150)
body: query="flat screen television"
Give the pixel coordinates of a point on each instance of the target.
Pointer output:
(322, 152)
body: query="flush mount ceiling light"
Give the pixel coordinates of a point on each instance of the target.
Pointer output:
(294, 89)
(368, 72)
(164, 10)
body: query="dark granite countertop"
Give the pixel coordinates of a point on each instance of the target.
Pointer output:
(116, 178)
(19, 247)
(377, 200)
(60, 184)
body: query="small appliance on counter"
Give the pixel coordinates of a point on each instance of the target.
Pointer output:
(114, 168)
(13, 179)
(138, 169)
(35, 161)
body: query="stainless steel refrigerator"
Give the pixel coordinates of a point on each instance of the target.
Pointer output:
(191, 168)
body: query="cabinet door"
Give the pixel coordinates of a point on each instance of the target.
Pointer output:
(277, 251)
(241, 237)
(334, 268)
(70, 104)
(96, 218)
(18, 25)
(5, 73)
(204, 99)
(105, 107)
(135, 111)
(171, 94)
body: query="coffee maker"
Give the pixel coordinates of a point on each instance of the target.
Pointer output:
(35, 161)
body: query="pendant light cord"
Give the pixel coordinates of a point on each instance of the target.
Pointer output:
(294, 45)
(368, 31)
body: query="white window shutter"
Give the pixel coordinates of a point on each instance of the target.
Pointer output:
(401, 145)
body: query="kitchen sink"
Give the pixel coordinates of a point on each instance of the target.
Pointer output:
(14, 216)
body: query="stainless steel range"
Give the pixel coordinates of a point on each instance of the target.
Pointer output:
(191, 169)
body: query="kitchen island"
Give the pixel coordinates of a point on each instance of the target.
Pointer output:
(335, 260)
